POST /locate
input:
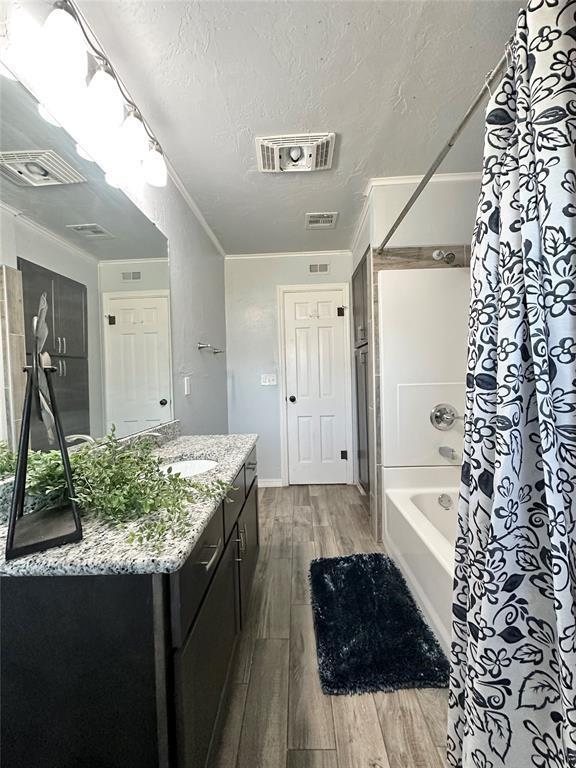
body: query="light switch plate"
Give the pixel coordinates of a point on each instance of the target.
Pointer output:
(268, 380)
(187, 385)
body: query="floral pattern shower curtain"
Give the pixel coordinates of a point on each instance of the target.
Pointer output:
(512, 699)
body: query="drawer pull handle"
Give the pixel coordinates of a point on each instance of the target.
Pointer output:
(216, 547)
(251, 465)
(242, 541)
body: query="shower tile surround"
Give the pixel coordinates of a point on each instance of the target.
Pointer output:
(392, 258)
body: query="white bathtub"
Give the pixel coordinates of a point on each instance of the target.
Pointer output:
(419, 535)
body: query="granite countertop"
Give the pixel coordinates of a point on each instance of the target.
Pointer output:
(105, 550)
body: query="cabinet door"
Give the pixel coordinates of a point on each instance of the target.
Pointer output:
(360, 303)
(71, 317)
(248, 535)
(362, 418)
(36, 281)
(201, 667)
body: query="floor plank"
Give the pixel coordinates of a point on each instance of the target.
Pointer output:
(310, 723)
(226, 750)
(406, 735)
(312, 759)
(272, 604)
(302, 555)
(325, 541)
(358, 736)
(434, 706)
(263, 737)
(280, 543)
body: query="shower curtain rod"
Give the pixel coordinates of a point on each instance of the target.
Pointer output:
(490, 78)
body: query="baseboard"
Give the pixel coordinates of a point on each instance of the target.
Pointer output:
(264, 482)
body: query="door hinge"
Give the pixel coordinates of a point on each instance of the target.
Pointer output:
(340, 311)
(344, 455)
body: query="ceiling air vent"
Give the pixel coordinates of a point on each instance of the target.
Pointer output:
(296, 152)
(38, 168)
(91, 231)
(321, 269)
(321, 220)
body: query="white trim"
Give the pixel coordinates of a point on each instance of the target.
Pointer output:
(270, 483)
(281, 291)
(389, 181)
(190, 202)
(366, 209)
(105, 296)
(156, 259)
(289, 254)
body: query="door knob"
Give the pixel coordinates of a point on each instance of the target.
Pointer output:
(163, 401)
(292, 398)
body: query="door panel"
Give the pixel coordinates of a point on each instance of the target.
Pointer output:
(248, 535)
(70, 309)
(315, 339)
(138, 379)
(361, 359)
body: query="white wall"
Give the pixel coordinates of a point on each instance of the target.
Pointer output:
(443, 215)
(423, 341)
(22, 239)
(197, 307)
(155, 275)
(252, 342)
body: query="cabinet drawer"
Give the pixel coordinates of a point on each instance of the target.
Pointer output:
(188, 585)
(201, 666)
(233, 504)
(251, 469)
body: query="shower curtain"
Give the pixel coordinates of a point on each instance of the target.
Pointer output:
(512, 699)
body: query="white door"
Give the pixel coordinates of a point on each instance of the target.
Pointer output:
(315, 353)
(137, 349)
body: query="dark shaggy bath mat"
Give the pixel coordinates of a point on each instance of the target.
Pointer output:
(370, 634)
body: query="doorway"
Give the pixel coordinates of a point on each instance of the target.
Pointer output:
(316, 387)
(138, 388)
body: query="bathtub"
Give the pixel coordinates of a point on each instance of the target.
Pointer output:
(419, 535)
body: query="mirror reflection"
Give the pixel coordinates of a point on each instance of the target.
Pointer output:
(104, 268)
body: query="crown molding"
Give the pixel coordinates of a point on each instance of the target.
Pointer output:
(390, 181)
(288, 254)
(154, 260)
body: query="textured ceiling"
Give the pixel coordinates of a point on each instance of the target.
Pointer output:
(391, 78)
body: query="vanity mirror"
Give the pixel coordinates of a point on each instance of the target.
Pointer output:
(66, 232)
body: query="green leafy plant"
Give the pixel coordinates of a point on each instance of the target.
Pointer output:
(7, 461)
(122, 483)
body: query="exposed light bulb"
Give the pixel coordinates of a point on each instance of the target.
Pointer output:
(154, 167)
(23, 55)
(65, 48)
(134, 140)
(83, 153)
(105, 100)
(113, 179)
(5, 72)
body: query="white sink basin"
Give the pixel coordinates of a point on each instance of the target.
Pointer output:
(190, 468)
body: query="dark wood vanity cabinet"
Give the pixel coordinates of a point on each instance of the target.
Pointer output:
(127, 671)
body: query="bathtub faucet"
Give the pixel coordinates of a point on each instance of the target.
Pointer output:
(447, 453)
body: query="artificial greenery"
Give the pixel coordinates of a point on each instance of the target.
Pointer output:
(7, 461)
(122, 483)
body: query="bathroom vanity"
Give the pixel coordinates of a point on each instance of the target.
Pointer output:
(114, 655)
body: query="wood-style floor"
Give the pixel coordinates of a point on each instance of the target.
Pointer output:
(277, 715)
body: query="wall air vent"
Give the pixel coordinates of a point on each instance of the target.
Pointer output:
(91, 231)
(131, 276)
(38, 168)
(321, 269)
(321, 220)
(297, 152)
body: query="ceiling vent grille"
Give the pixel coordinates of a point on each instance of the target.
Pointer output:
(296, 152)
(322, 269)
(38, 168)
(321, 220)
(91, 231)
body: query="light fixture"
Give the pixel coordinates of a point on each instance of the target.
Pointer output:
(133, 137)
(65, 47)
(23, 54)
(47, 115)
(5, 72)
(105, 101)
(295, 153)
(154, 167)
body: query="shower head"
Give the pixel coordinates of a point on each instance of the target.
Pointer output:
(446, 257)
